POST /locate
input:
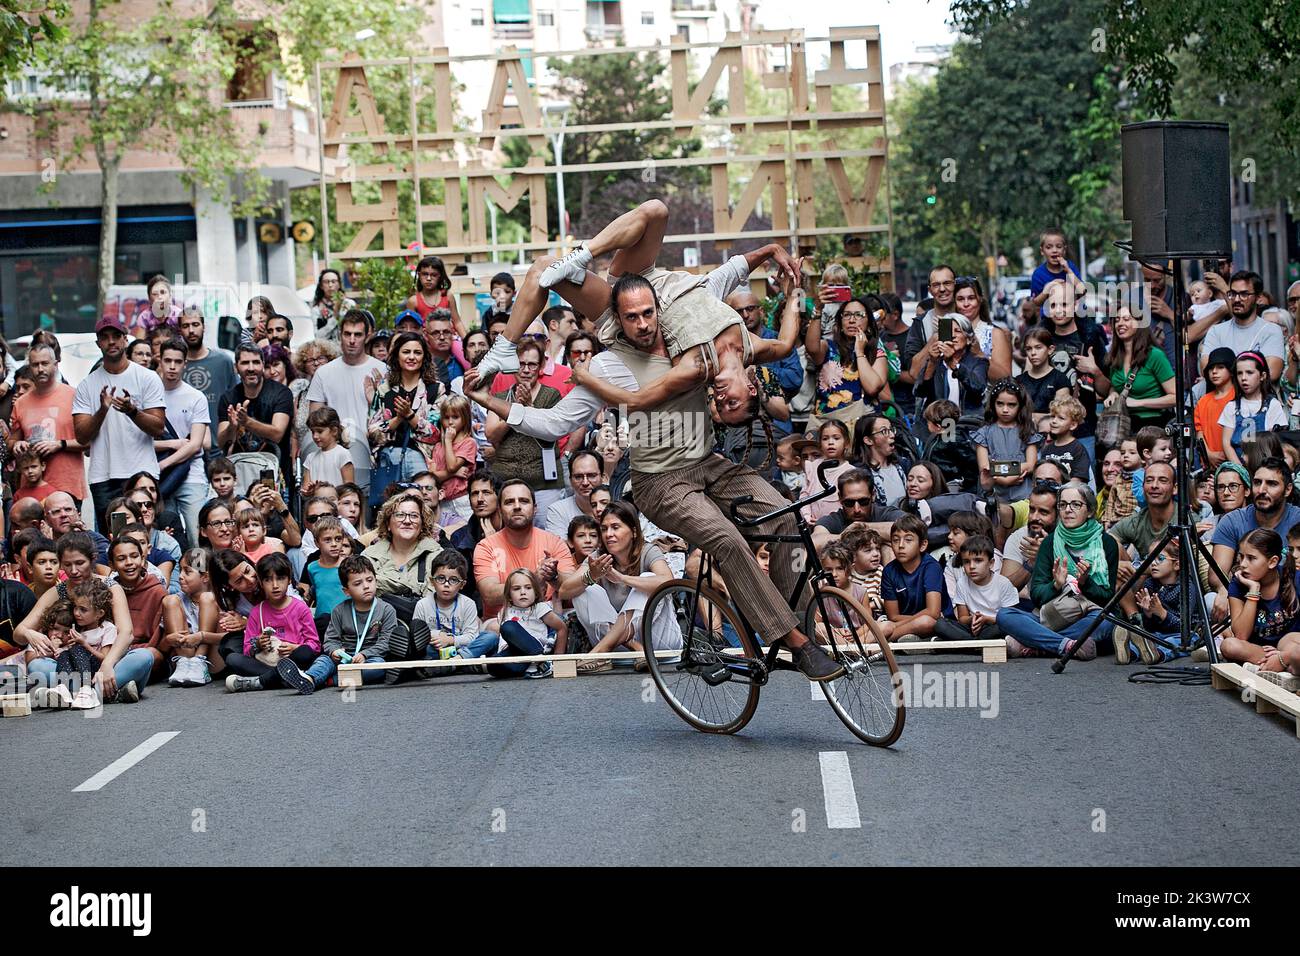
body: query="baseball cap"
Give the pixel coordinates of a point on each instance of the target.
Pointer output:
(409, 314)
(1221, 356)
(111, 322)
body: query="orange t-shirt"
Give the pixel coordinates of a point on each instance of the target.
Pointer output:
(49, 418)
(1206, 419)
(495, 558)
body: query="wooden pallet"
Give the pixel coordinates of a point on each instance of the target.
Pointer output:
(15, 705)
(566, 665)
(1267, 697)
(991, 651)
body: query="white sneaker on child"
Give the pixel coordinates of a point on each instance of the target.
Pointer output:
(180, 672)
(86, 698)
(199, 670)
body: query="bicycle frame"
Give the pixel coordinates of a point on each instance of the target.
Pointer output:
(811, 574)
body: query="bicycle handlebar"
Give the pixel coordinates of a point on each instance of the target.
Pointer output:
(827, 490)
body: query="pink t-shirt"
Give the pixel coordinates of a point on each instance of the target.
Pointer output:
(292, 624)
(812, 484)
(467, 451)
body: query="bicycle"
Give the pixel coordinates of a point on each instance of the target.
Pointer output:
(708, 662)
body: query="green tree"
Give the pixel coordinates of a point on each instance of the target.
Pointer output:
(23, 25)
(1197, 59)
(160, 84)
(623, 88)
(1011, 136)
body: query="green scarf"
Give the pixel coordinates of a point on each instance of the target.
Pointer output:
(1086, 541)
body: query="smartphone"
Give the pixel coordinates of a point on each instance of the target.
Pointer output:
(1004, 469)
(117, 523)
(267, 474)
(839, 293)
(945, 329)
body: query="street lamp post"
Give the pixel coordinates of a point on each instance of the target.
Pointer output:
(560, 108)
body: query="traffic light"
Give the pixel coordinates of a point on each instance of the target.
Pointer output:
(931, 199)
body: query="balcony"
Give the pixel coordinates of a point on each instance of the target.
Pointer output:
(285, 137)
(511, 32)
(702, 9)
(597, 33)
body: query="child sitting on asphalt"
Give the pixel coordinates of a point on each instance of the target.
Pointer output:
(452, 617)
(912, 584)
(1155, 606)
(279, 626)
(980, 593)
(360, 631)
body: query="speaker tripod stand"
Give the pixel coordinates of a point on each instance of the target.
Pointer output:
(1191, 596)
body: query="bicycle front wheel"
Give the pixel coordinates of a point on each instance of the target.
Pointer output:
(868, 698)
(704, 662)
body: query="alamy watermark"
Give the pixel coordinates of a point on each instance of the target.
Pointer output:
(920, 688)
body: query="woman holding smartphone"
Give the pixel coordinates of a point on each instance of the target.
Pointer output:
(853, 367)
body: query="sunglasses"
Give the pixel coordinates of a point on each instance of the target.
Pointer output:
(857, 502)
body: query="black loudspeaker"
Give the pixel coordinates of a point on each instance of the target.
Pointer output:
(1177, 180)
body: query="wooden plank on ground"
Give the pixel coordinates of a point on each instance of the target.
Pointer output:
(1267, 697)
(349, 675)
(15, 705)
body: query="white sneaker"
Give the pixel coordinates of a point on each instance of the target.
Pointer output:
(502, 357)
(199, 672)
(86, 698)
(236, 683)
(180, 672)
(572, 267)
(54, 698)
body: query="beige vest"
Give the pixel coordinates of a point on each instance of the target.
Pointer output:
(675, 435)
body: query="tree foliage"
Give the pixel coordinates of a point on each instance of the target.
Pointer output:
(1200, 59)
(159, 84)
(23, 25)
(622, 88)
(1015, 133)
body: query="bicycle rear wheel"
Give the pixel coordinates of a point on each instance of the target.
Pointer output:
(868, 698)
(710, 680)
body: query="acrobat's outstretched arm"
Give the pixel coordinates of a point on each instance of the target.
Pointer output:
(687, 374)
(773, 350)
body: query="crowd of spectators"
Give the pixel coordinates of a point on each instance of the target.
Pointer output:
(185, 514)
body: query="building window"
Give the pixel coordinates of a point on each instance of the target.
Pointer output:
(684, 32)
(546, 18)
(476, 17)
(647, 18)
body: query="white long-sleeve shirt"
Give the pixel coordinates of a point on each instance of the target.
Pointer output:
(581, 405)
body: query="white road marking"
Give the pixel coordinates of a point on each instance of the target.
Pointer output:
(816, 691)
(837, 785)
(128, 760)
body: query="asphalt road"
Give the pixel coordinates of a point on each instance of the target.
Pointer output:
(1084, 768)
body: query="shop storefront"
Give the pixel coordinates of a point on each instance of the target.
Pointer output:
(49, 261)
